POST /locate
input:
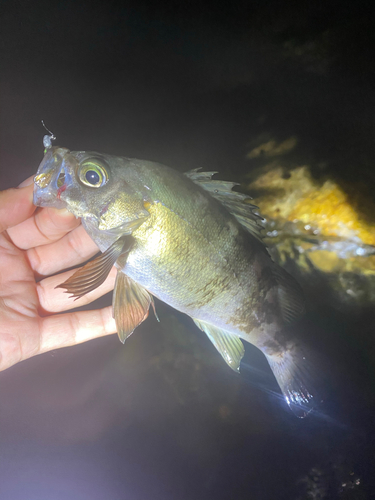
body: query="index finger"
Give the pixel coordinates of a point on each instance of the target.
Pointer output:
(16, 205)
(45, 226)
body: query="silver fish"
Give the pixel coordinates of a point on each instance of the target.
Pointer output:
(190, 241)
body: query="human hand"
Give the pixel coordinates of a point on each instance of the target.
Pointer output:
(35, 243)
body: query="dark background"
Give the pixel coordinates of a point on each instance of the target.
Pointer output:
(190, 85)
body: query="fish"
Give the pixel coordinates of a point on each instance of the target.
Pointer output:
(192, 242)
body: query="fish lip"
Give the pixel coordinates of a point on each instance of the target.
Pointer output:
(47, 191)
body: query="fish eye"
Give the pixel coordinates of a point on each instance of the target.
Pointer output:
(92, 174)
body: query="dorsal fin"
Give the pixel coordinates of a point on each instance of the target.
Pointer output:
(236, 203)
(290, 294)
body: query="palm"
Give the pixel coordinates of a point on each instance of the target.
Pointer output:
(19, 305)
(36, 245)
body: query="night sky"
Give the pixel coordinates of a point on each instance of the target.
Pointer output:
(192, 84)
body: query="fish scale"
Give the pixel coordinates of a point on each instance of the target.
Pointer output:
(166, 263)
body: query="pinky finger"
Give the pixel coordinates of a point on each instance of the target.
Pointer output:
(62, 330)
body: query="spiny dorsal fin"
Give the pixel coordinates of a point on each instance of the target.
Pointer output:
(236, 203)
(228, 345)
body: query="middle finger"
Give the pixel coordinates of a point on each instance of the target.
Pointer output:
(74, 248)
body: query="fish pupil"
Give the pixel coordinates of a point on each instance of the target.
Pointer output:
(92, 177)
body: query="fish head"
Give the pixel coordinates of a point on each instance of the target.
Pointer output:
(88, 184)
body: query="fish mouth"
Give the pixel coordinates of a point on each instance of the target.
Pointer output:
(52, 178)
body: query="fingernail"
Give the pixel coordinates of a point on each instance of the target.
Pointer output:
(62, 212)
(27, 182)
(65, 213)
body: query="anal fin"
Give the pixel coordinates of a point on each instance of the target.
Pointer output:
(228, 345)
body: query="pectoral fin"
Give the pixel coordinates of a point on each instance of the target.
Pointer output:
(95, 272)
(131, 303)
(228, 345)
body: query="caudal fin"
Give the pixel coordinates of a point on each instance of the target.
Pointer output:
(298, 373)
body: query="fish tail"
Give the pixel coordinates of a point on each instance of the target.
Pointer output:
(298, 373)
